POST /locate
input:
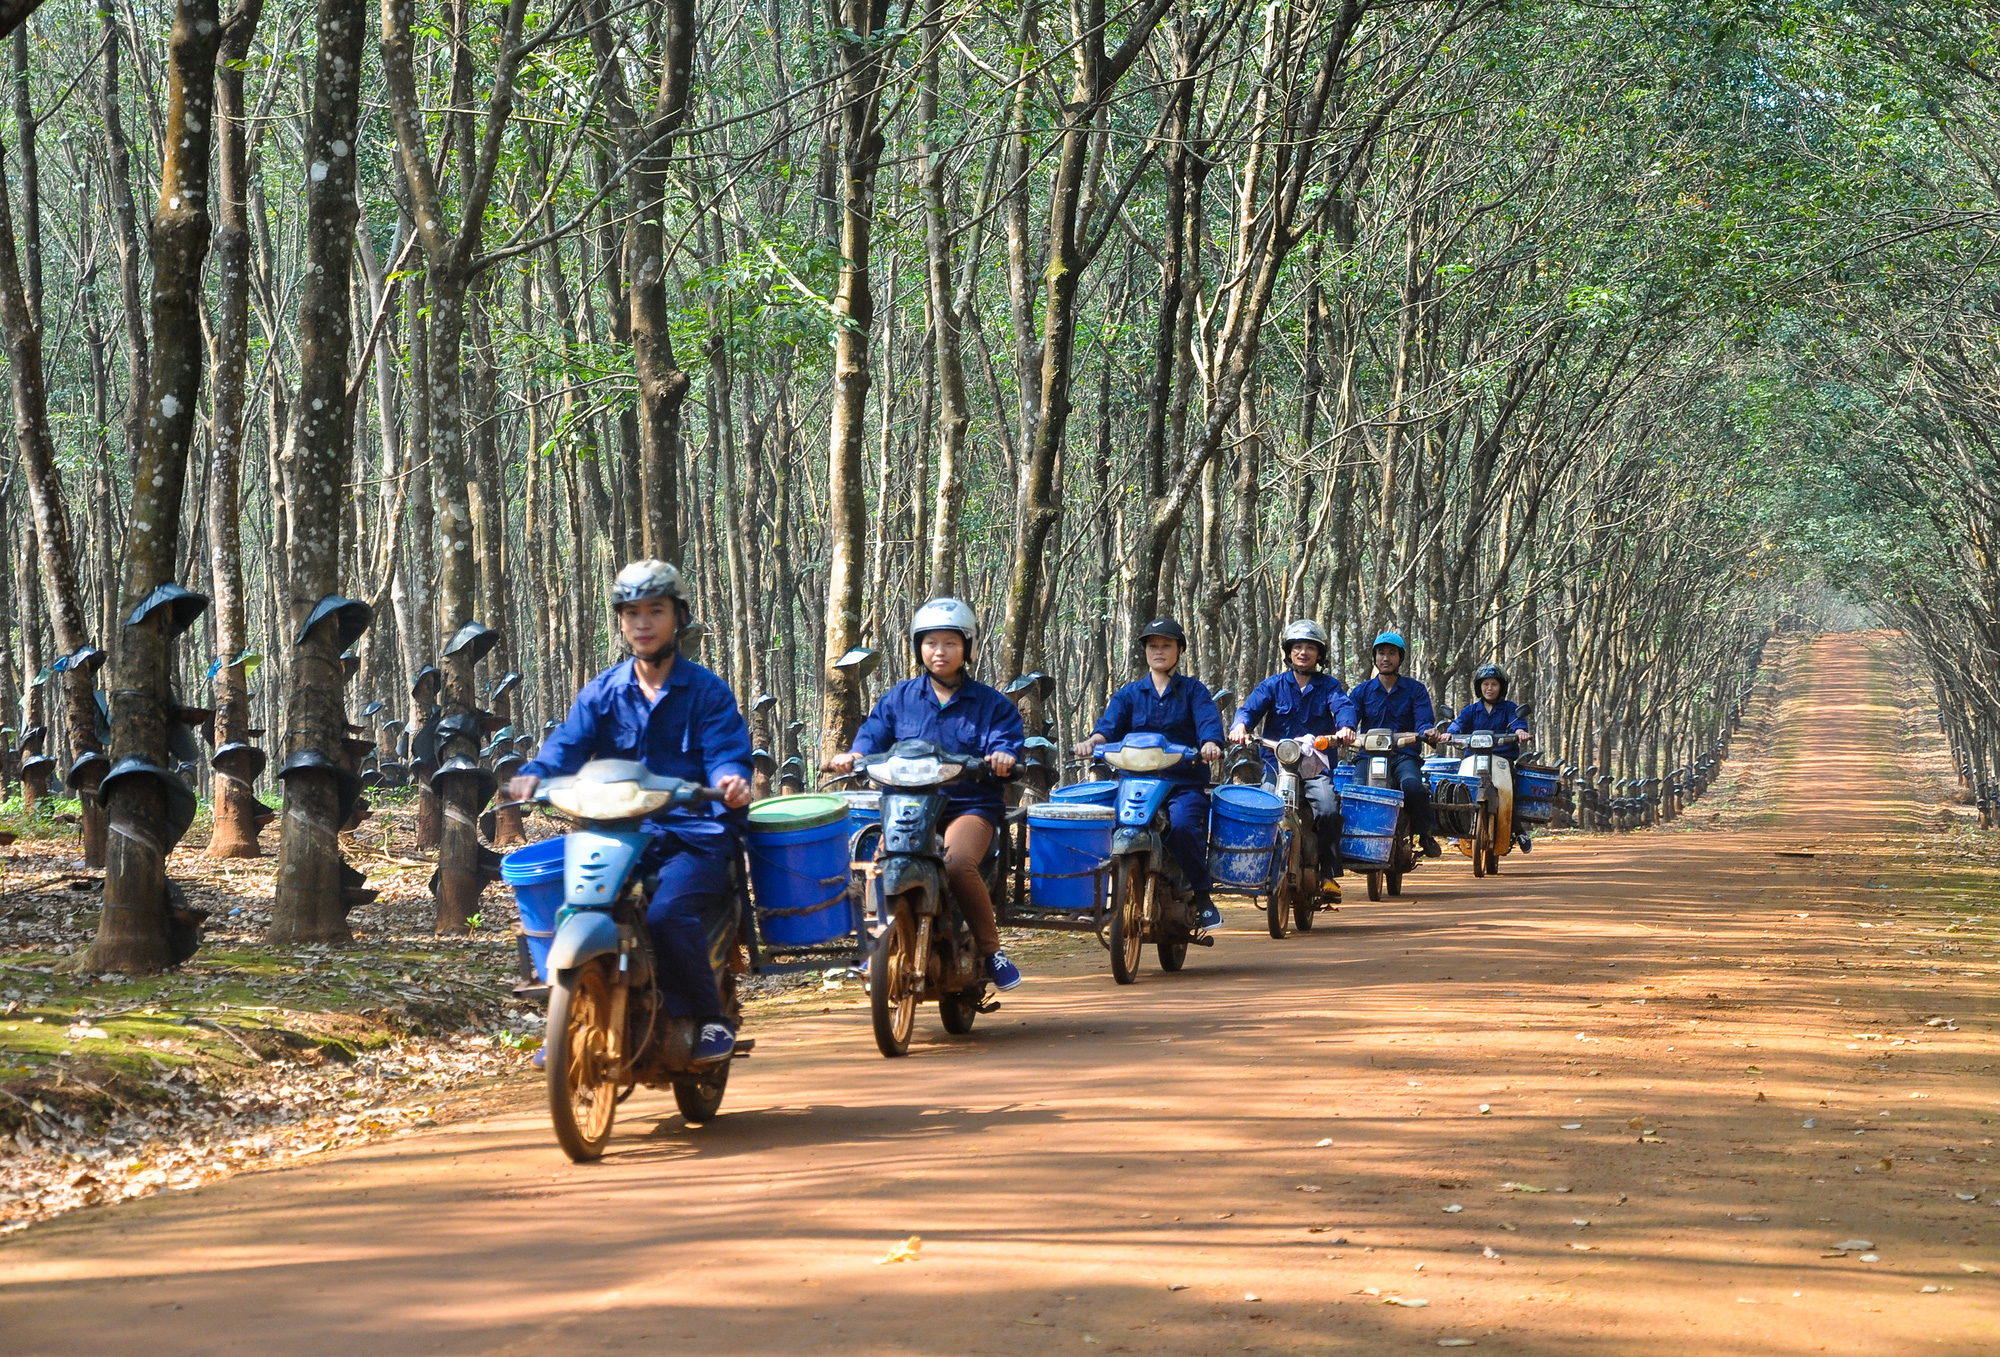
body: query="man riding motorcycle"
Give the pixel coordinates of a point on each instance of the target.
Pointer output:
(1493, 712)
(1302, 701)
(1393, 702)
(679, 720)
(1181, 709)
(948, 707)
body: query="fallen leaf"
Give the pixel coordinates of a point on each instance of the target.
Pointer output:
(1871, 1257)
(1308, 1187)
(905, 1252)
(1407, 1302)
(1583, 1248)
(1456, 1342)
(1751, 1220)
(1928, 1290)
(1855, 1244)
(1485, 1109)
(1970, 1267)
(1453, 1209)
(1324, 1143)
(1177, 1286)
(1489, 1252)
(1520, 1187)
(1572, 1126)
(1252, 1295)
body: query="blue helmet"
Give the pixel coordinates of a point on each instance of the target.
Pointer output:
(1391, 638)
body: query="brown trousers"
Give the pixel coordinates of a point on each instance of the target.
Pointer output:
(966, 840)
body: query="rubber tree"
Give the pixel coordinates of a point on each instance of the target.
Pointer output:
(319, 787)
(452, 256)
(646, 143)
(865, 47)
(141, 804)
(236, 808)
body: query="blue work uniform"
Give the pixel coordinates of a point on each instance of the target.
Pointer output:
(1184, 714)
(1502, 718)
(1370, 706)
(694, 732)
(1288, 711)
(977, 720)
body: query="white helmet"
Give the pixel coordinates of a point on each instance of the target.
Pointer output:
(1305, 629)
(646, 579)
(946, 614)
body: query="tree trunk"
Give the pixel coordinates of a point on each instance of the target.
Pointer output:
(954, 418)
(235, 801)
(132, 934)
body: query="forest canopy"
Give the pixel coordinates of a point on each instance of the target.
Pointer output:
(1596, 340)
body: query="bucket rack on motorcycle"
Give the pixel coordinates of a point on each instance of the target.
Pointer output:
(1016, 908)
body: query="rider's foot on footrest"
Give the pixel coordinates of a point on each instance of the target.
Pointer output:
(1207, 915)
(1526, 844)
(1430, 847)
(1329, 890)
(716, 1041)
(1003, 973)
(541, 1059)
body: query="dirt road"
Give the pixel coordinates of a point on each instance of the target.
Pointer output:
(1632, 1091)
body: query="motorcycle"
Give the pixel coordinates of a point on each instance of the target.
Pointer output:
(1481, 799)
(1299, 886)
(1371, 765)
(925, 949)
(1151, 900)
(608, 1030)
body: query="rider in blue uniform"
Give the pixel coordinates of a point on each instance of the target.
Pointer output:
(1182, 710)
(948, 707)
(679, 720)
(1303, 701)
(1493, 712)
(1389, 701)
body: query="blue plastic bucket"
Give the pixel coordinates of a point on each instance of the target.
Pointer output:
(1441, 763)
(1368, 824)
(1066, 840)
(799, 869)
(536, 874)
(1087, 793)
(1343, 776)
(1242, 831)
(864, 811)
(1534, 795)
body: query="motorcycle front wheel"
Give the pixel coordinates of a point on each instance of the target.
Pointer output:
(958, 1012)
(895, 975)
(583, 1092)
(1375, 885)
(1128, 919)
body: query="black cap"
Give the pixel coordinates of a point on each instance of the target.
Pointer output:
(1163, 626)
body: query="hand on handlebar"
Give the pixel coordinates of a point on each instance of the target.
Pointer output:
(842, 764)
(1346, 735)
(1210, 751)
(1239, 735)
(735, 791)
(1086, 748)
(1002, 763)
(522, 788)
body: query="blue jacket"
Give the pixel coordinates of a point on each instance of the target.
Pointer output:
(978, 720)
(1184, 714)
(693, 732)
(1370, 705)
(1502, 718)
(1288, 711)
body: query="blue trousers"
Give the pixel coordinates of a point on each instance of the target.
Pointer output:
(1406, 770)
(690, 906)
(1187, 836)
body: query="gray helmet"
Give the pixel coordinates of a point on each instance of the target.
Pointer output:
(1305, 629)
(946, 614)
(647, 579)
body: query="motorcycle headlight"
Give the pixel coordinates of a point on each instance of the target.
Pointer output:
(912, 772)
(1482, 740)
(1142, 760)
(1288, 751)
(1376, 744)
(607, 800)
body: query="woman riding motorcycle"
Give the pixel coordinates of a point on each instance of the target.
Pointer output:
(1303, 701)
(679, 720)
(1493, 712)
(1389, 701)
(948, 707)
(1182, 710)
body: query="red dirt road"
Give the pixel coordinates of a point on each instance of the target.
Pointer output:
(1142, 1169)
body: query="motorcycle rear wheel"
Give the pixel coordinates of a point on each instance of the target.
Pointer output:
(1128, 919)
(958, 1011)
(1302, 915)
(1394, 881)
(893, 981)
(583, 1094)
(1375, 886)
(1173, 955)
(700, 1097)
(1483, 833)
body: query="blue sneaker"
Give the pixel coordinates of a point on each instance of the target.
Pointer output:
(1207, 915)
(1526, 844)
(717, 1041)
(1003, 973)
(541, 1058)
